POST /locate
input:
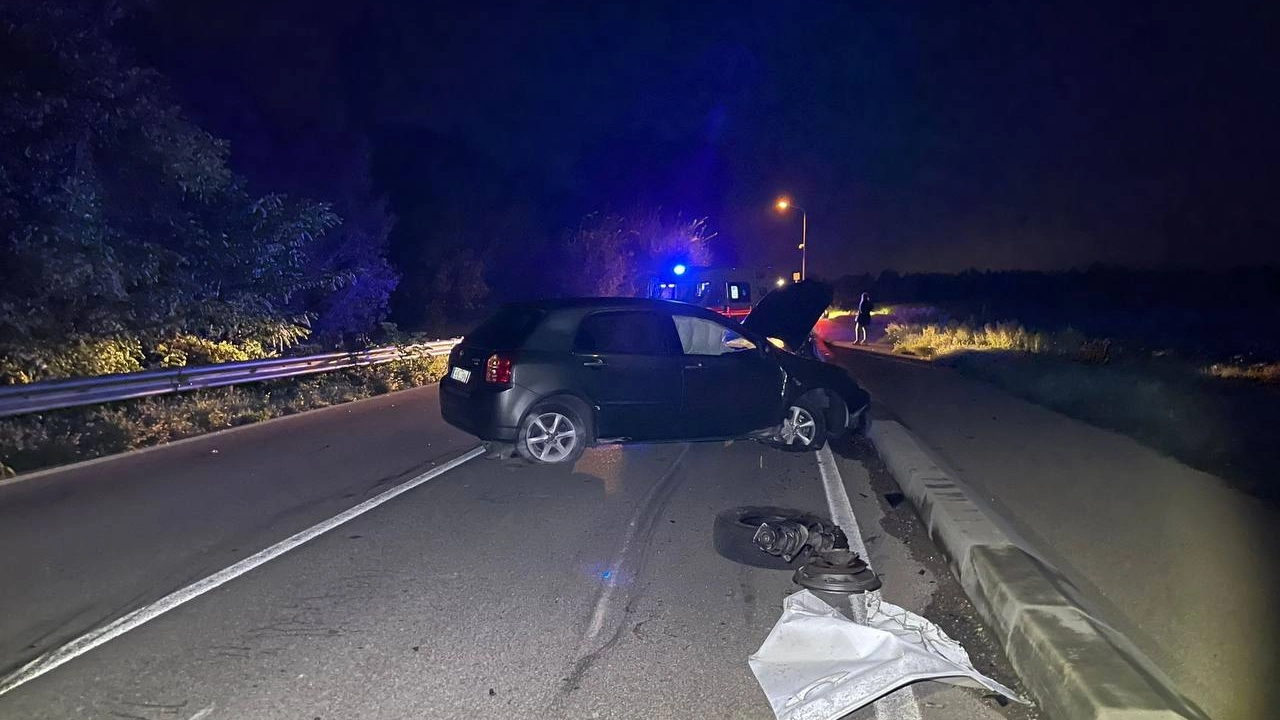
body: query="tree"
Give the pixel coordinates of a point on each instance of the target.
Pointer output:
(356, 251)
(610, 254)
(120, 216)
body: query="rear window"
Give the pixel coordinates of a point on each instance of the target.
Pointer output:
(507, 329)
(627, 333)
(738, 292)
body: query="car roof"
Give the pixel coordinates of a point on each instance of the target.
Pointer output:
(556, 331)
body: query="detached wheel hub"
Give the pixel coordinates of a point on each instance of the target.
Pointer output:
(836, 571)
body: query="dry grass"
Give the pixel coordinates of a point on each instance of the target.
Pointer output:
(1268, 373)
(938, 340)
(31, 442)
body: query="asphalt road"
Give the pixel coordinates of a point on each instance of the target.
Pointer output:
(81, 546)
(1183, 566)
(496, 589)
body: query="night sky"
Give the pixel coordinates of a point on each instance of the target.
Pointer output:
(919, 136)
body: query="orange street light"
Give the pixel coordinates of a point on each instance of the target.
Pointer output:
(784, 204)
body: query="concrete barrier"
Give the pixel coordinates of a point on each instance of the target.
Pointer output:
(1063, 655)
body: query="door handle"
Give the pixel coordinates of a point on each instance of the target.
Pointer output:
(594, 363)
(695, 366)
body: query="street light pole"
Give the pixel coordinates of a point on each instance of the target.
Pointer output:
(785, 204)
(804, 241)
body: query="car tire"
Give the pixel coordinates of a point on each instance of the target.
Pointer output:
(804, 427)
(734, 529)
(553, 432)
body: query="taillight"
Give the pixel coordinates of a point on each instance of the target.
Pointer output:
(497, 369)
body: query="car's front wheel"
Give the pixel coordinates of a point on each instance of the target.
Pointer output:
(552, 433)
(804, 427)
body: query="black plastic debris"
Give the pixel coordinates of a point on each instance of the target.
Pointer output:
(997, 698)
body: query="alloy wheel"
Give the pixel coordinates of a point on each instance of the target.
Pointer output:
(552, 437)
(799, 427)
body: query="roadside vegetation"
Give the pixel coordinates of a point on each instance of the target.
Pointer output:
(127, 239)
(32, 442)
(938, 340)
(1220, 417)
(1265, 372)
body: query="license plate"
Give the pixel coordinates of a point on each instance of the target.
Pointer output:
(462, 375)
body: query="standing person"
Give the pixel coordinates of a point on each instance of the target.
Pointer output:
(863, 319)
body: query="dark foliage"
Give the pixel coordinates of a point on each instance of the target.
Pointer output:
(119, 216)
(613, 254)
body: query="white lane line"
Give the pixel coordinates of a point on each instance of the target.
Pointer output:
(900, 704)
(838, 502)
(93, 639)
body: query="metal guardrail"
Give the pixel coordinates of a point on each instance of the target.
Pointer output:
(55, 394)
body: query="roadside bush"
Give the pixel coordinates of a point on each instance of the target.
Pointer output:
(91, 356)
(81, 357)
(186, 350)
(411, 372)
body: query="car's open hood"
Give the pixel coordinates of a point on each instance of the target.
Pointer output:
(789, 313)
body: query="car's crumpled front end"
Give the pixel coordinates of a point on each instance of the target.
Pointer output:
(806, 374)
(785, 318)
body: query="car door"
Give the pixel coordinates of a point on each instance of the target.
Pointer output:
(629, 363)
(731, 387)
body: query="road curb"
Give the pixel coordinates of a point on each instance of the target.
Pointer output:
(1060, 652)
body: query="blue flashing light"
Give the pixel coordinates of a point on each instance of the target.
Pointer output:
(679, 269)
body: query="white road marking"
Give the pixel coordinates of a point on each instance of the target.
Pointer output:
(93, 639)
(838, 502)
(900, 704)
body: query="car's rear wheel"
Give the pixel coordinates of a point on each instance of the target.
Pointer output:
(804, 427)
(552, 433)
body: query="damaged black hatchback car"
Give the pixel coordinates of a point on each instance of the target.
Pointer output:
(555, 376)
